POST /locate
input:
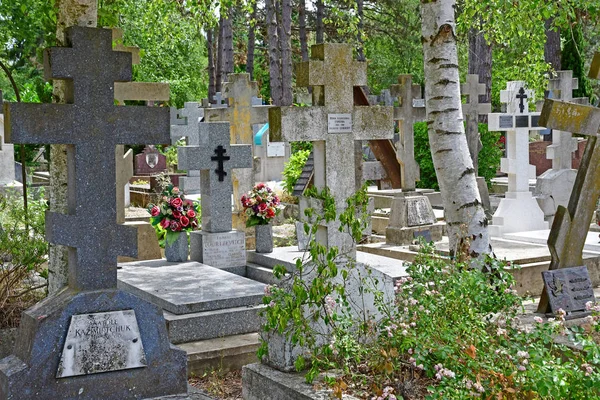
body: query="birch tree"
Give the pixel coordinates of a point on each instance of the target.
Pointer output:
(465, 216)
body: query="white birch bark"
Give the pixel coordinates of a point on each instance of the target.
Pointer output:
(465, 216)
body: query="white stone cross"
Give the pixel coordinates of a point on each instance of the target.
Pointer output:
(472, 89)
(333, 124)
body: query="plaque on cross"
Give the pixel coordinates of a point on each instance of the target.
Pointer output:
(91, 127)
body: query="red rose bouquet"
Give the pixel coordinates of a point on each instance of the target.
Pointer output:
(174, 213)
(261, 205)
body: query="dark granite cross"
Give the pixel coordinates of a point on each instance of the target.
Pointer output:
(220, 158)
(91, 126)
(215, 184)
(521, 96)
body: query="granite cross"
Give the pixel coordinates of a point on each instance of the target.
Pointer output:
(215, 157)
(411, 109)
(571, 224)
(185, 124)
(472, 89)
(333, 124)
(91, 126)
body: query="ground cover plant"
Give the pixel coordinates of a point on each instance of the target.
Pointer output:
(450, 332)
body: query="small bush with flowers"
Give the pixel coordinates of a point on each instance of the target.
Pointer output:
(174, 213)
(261, 205)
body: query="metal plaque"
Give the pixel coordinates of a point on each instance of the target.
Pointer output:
(339, 123)
(101, 342)
(522, 121)
(505, 121)
(418, 103)
(568, 288)
(275, 149)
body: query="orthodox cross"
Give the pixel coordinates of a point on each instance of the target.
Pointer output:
(220, 158)
(521, 96)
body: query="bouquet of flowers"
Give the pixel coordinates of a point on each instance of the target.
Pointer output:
(174, 213)
(261, 205)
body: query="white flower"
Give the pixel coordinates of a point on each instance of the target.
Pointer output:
(538, 319)
(522, 354)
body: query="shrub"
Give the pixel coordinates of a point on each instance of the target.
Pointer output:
(293, 169)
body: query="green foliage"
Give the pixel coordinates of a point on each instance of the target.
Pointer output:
(293, 169)
(572, 59)
(489, 156)
(23, 252)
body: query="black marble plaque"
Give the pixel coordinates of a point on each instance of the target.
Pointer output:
(568, 288)
(522, 121)
(505, 121)
(535, 121)
(426, 235)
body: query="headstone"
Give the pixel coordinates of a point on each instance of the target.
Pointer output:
(241, 115)
(91, 127)
(411, 216)
(190, 116)
(553, 187)
(518, 211)
(149, 162)
(568, 288)
(7, 158)
(216, 244)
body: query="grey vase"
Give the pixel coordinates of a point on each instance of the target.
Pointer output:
(178, 250)
(264, 238)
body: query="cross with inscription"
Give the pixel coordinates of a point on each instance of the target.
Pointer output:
(472, 89)
(215, 183)
(411, 109)
(91, 126)
(571, 224)
(333, 124)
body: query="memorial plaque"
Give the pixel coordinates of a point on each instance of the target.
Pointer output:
(275, 149)
(419, 212)
(535, 122)
(418, 103)
(568, 288)
(101, 342)
(339, 123)
(426, 235)
(224, 249)
(505, 121)
(522, 121)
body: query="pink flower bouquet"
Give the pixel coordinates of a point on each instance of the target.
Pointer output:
(174, 213)
(261, 205)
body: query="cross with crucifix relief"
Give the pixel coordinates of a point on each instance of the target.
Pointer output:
(333, 124)
(91, 126)
(215, 157)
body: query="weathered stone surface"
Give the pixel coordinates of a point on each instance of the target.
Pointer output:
(147, 242)
(264, 238)
(411, 213)
(7, 157)
(184, 124)
(178, 250)
(218, 249)
(569, 288)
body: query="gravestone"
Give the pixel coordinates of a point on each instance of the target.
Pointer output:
(216, 244)
(568, 289)
(411, 216)
(7, 158)
(553, 187)
(241, 115)
(518, 211)
(149, 162)
(186, 127)
(141, 366)
(571, 224)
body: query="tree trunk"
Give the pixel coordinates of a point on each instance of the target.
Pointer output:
(359, 35)
(227, 44)
(211, 64)
(480, 63)
(465, 216)
(68, 13)
(285, 41)
(320, 14)
(274, 54)
(552, 45)
(219, 66)
(302, 29)
(251, 42)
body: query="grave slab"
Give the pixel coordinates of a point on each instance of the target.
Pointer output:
(188, 287)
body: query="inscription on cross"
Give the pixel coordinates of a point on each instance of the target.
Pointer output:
(91, 125)
(215, 179)
(332, 73)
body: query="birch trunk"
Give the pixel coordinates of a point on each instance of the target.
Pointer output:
(465, 216)
(274, 55)
(69, 13)
(286, 53)
(251, 42)
(211, 64)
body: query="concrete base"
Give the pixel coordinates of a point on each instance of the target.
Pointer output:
(517, 212)
(406, 235)
(411, 214)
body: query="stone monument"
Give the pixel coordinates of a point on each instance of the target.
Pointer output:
(216, 244)
(518, 211)
(70, 341)
(186, 127)
(7, 158)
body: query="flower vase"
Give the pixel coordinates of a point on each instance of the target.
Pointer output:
(177, 251)
(264, 238)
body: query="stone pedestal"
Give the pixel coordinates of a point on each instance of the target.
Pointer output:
(412, 216)
(517, 212)
(219, 250)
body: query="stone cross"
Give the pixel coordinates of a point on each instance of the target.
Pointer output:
(241, 115)
(7, 155)
(385, 98)
(91, 127)
(186, 126)
(215, 157)
(518, 211)
(472, 89)
(333, 124)
(411, 109)
(571, 224)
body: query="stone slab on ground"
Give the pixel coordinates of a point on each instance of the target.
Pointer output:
(188, 287)
(592, 241)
